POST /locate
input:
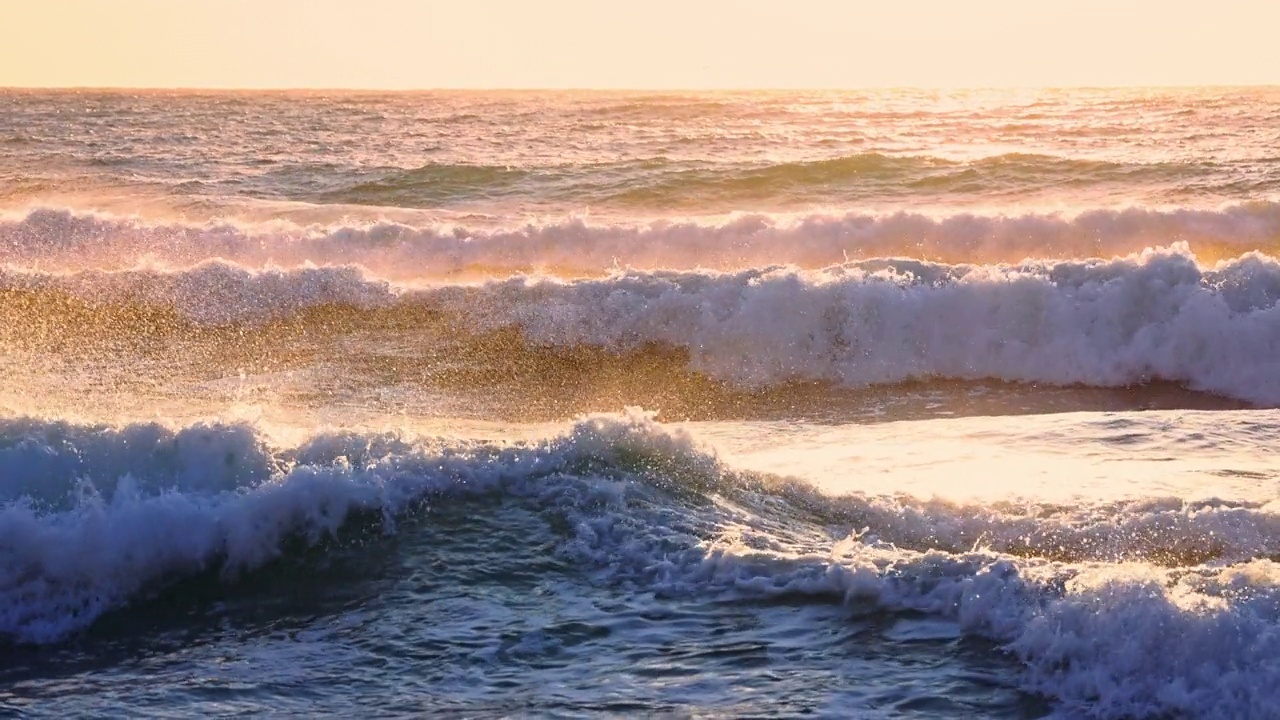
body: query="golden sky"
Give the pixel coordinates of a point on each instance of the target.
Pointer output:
(636, 44)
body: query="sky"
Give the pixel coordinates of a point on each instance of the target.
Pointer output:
(426, 44)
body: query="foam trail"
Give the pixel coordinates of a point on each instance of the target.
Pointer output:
(52, 238)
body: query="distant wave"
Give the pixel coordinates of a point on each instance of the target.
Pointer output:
(818, 179)
(430, 185)
(1157, 315)
(917, 174)
(664, 183)
(121, 513)
(63, 239)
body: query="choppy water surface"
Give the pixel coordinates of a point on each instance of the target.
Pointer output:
(954, 404)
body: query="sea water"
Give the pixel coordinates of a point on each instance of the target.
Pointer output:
(848, 404)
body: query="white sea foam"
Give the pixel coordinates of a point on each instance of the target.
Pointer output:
(1112, 640)
(1158, 314)
(60, 237)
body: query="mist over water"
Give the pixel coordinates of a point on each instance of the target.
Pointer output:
(883, 404)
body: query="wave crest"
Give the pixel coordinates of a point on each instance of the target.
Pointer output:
(1158, 315)
(649, 507)
(662, 182)
(62, 239)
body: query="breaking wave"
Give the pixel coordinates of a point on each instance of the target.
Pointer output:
(661, 182)
(54, 238)
(1155, 315)
(1186, 626)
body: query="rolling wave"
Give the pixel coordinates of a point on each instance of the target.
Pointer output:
(662, 182)
(1156, 315)
(1109, 323)
(120, 513)
(431, 185)
(63, 239)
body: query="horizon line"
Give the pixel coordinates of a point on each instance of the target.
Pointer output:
(851, 88)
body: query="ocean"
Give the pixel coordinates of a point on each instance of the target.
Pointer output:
(883, 404)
